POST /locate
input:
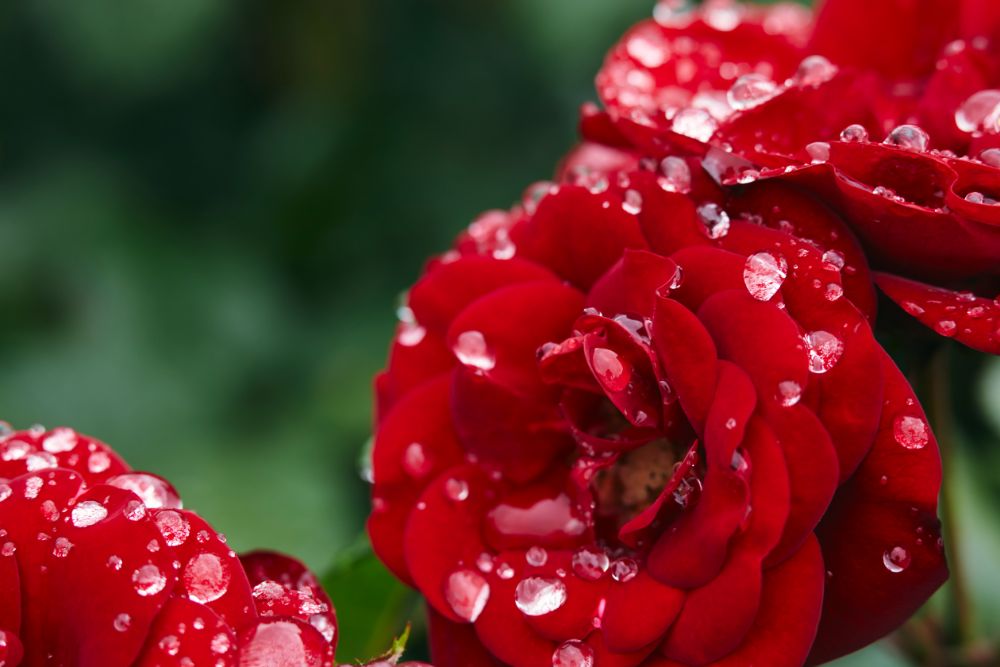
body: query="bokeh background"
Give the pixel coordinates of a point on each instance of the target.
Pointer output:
(209, 208)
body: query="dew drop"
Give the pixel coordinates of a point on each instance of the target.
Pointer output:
(972, 115)
(911, 432)
(148, 580)
(833, 259)
(814, 71)
(896, 559)
(88, 513)
(174, 528)
(537, 596)
(610, 369)
(98, 462)
(573, 653)
(624, 569)
(60, 440)
(456, 490)
(114, 562)
(206, 578)
(763, 275)
(854, 134)
(833, 292)
(411, 334)
(536, 556)
(8, 549)
(61, 547)
(696, 124)
(170, 645)
(990, 156)
(675, 175)
(153, 491)
(134, 510)
(467, 593)
(470, 348)
(632, 202)
(590, 563)
(789, 393)
(416, 463)
(49, 511)
(824, 349)
(5, 491)
(122, 622)
(714, 220)
(909, 136)
(751, 90)
(505, 571)
(946, 327)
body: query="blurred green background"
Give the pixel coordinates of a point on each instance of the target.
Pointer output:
(209, 207)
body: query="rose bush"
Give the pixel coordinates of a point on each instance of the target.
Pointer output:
(622, 425)
(792, 112)
(100, 565)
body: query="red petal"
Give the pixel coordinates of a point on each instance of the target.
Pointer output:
(283, 642)
(448, 288)
(386, 525)
(416, 356)
(573, 233)
(884, 519)
(503, 630)
(638, 612)
(187, 633)
(630, 286)
(971, 320)
(455, 644)
(706, 270)
(855, 33)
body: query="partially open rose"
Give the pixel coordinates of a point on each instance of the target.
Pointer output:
(100, 566)
(886, 113)
(621, 426)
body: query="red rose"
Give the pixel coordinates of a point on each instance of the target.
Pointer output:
(789, 109)
(99, 565)
(620, 426)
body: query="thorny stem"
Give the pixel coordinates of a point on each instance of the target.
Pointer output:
(943, 421)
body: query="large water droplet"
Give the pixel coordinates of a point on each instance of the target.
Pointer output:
(976, 111)
(675, 175)
(471, 349)
(467, 593)
(911, 432)
(696, 124)
(824, 349)
(153, 491)
(909, 136)
(60, 440)
(624, 569)
(751, 90)
(814, 70)
(98, 462)
(715, 221)
(763, 274)
(573, 653)
(537, 596)
(206, 578)
(818, 151)
(88, 513)
(174, 528)
(610, 369)
(590, 563)
(148, 580)
(854, 133)
(896, 559)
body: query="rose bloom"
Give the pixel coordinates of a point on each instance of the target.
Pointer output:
(101, 566)
(620, 425)
(885, 114)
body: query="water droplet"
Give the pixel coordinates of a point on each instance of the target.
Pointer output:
(134, 510)
(676, 175)
(206, 578)
(484, 562)
(814, 71)
(990, 156)
(5, 491)
(410, 334)
(122, 622)
(824, 349)
(537, 596)
(467, 593)
(854, 133)
(49, 511)
(789, 393)
(61, 547)
(416, 463)
(590, 563)
(573, 653)
(632, 202)
(696, 124)
(715, 221)
(148, 580)
(32, 487)
(833, 292)
(153, 491)
(456, 490)
(909, 136)
(174, 528)
(896, 559)
(624, 569)
(8, 549)
(114, 562)
(818, 151)
(470, 348)
(751, 90)
(911, 432)
(833, 259)
(60, 440)
(763, 275)
(220, 643)
(730, 423)
(88, 513)
(170, 645)
(976, 111)
(536, 556)
(610, 369)
(98, 462)
(946, 327)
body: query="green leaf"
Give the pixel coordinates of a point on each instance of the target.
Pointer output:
(373, 608)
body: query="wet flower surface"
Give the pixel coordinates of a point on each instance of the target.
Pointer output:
(646, 423)
(100, 565)
(887, 117)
